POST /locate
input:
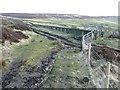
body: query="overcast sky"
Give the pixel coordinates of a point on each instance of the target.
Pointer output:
(82, 7)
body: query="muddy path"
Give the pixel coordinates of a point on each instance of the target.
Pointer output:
(35, 76)
(32, 78)
(54, 36)
(57, 37)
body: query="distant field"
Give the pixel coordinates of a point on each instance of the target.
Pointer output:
(78, 22)
(110, 25)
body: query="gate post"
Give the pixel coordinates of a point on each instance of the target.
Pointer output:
(83, 42)
(108, 76)
(89, 53)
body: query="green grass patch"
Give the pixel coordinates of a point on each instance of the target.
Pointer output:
(36, 49)
(68, 66)
(107, 41)
(79, 22)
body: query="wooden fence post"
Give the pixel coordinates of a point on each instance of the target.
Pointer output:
(83, 42)
(89, 53)
(108, 76)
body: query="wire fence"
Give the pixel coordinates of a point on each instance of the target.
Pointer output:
(103, 73)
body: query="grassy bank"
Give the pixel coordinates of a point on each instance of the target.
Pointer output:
(32, 49)
(68, 69)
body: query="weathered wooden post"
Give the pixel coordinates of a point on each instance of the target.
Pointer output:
(108, 74)
(89, 52)
(83, 42)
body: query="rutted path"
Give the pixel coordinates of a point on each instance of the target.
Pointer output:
(32, 78)
(56, 37)
(37, 74)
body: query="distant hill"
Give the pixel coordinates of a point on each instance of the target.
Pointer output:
(42, 15)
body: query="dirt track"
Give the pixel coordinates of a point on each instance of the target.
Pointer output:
(56, 37)
(32, 78)
(37, 74)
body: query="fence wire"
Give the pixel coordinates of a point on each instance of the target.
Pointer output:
(103, 73)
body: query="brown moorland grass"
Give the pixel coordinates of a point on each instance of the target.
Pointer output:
(108, 53)
(7, 33)
(15, 24)
(10, 35)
